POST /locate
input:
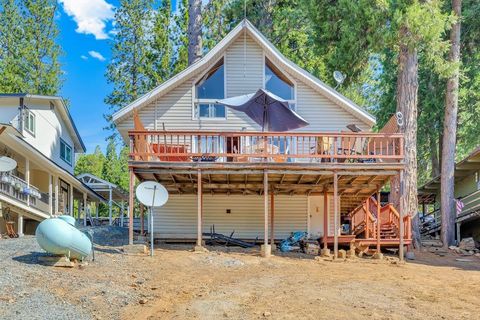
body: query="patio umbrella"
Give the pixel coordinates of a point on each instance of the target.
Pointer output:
(266, 109)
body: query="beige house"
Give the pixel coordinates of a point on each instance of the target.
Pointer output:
(220, 168)
(40, 135)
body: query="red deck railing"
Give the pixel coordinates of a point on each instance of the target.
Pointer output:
(184, 146)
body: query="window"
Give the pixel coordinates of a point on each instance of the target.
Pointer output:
(30, 121)
(65, 152)
(279, 84)
(207, 91)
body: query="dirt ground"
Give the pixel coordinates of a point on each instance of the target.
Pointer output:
(235, 284)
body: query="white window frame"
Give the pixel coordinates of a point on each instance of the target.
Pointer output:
(196, 102)
(28, 122)
(290, 101)
(66, 145)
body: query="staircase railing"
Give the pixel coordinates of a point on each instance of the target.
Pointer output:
(368, 219)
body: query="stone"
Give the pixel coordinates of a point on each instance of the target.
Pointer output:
(143, 301)
(312, 248)
(467, 244)
(325, 252)
(342, 254)
(377, 255)
(267, 314)
(266, 250)
(135, 249)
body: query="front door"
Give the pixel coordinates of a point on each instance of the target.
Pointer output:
(316, 216)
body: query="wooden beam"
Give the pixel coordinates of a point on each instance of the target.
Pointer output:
(379, 221)
(401, 213)
(265, 208)
(142, 222)
(131, 205)
(336, 214)
(272, 218)
(199, 208)
(325, 219)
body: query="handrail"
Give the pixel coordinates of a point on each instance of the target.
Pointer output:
(191, 145)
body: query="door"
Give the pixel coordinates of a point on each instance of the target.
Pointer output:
(316, 214)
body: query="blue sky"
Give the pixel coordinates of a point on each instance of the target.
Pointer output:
(86, 28)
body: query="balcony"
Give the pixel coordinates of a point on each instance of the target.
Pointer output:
(17, 189)
(266, 147)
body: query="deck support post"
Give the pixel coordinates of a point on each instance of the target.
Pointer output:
(367, 218)
(401, 213)
(20, 225)
(325, 219)
(266, 248)
(199, 208)
(84, 210)
(336, 214)
(272, 218)
(50, 194)
(131, 206)
(55, 207)
(122, 213)
(110, 204)
(379, 222)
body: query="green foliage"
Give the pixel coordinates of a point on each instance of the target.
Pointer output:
(28, 49)
(91, 163)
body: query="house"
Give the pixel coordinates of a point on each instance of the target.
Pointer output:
(222, 170)
(467, 191)
(40, 135)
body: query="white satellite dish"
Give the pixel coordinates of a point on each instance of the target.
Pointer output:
(7, 164)
(152, 194)
(339, 77)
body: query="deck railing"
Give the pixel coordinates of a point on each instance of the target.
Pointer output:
(16, 188)
(206, 146)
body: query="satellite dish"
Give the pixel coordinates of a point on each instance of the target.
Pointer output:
(7, 164)
(151, 194)
(339, 77)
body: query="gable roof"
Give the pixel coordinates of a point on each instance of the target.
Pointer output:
(270, 50)
(64, 113)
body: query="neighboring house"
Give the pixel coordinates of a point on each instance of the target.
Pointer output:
(40, 135)
(216, 161)
(467, 191)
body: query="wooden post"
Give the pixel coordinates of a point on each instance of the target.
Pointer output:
(50, 194)
(367, 218)
(325, 219)
(401, 213)
(142, 219)
(84, 209)
(272, 218)
(20, 225)
(336, 213)
(459, 235)
(57, 196)
(266, 249)
(70, 202)
(110, 203)
(27, 178)
(199, 208)
(378, 221)
(131, 206)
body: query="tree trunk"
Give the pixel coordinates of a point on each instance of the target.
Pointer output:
(449, 136)
(194, 30)
(434, 157)
(407, 91)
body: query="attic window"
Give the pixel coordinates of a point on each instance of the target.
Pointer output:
(208, 90)
(277, 83)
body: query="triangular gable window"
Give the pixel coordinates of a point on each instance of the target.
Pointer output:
(208, 89)
(277, 83)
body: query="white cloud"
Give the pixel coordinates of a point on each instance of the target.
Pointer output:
(84, 57)
(91, 16)
(96, 55)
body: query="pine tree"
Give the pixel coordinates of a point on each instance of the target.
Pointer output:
(91, 163)
(41, 52)
(130, 67)
(111, 169)
(195, 47)
(180, 37)
(12, 66)
(161, 49)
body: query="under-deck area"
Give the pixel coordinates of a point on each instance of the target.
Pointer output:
(345, 180)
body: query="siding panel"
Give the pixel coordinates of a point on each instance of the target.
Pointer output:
(178, 218)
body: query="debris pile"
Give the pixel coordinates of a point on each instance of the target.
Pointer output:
(466, 247)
